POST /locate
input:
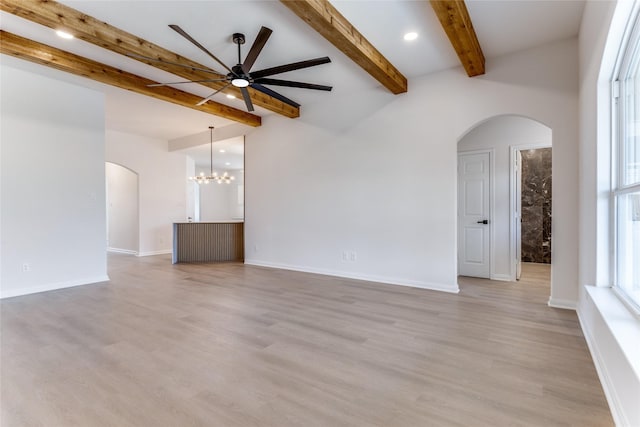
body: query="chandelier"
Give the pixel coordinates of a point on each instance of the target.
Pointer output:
(213, 176)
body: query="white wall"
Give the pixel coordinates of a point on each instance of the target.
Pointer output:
(122, 209)
(380, 179)
(214, 202)
(237, 199)
(500, 134)
(52, 184)
(162, 186)
(193, 193)
(219, 202)
(611, 330)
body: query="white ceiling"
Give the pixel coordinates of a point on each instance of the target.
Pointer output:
(502, 26)
(227, 154)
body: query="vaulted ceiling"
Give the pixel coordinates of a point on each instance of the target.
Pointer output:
(502, 27)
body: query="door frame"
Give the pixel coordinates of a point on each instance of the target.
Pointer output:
(492, 207)
(513, 252)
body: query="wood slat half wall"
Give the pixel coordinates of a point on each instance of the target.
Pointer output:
(208, 242)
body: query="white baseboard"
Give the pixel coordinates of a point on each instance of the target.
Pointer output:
(151, 253)
(501, 277)
(52, 287)
(122, 251)
(562, 303)
(148, 253)
(379, 279)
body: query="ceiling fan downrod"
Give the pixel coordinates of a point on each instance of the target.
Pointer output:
(239, 79)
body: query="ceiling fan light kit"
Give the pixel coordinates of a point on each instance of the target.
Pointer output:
(240, 82)
(240, 75)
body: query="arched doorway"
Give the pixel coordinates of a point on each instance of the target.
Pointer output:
(496, 144)
(122, 209)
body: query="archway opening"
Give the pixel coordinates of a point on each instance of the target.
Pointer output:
(122, 209)
(505, 200)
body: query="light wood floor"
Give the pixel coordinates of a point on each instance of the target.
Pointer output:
(233, 345)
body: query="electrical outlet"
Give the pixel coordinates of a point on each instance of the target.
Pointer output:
(349, 256)
(255, 248)
(26, 268)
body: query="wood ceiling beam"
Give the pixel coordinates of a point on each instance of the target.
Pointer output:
(20, 47)
(456, 22)
(334, 27)
(60, 17)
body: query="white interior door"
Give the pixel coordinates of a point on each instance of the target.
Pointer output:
(518, 213)
(474, 244)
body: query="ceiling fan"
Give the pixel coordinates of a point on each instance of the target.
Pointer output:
(241, 76)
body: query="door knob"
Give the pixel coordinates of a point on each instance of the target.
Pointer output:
(484, 221)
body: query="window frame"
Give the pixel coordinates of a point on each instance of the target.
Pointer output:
(628, 59)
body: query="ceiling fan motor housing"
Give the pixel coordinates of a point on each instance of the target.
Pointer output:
(238, 78)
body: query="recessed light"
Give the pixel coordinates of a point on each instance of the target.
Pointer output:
(222, 151)
(231, 96)
(411, 36)
(64, 35)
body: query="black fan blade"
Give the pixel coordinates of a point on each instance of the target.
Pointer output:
(290, 67)
(274, 94)
(183, 33)
(148, 58)
(247, 98)
(256, 48)
(289, 83)
(187, 81)
(204, 100)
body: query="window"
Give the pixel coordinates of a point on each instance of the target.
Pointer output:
(626, 169)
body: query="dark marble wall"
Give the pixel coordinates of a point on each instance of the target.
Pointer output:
(536, 205)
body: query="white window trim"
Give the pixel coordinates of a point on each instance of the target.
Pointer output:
(631, 38)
